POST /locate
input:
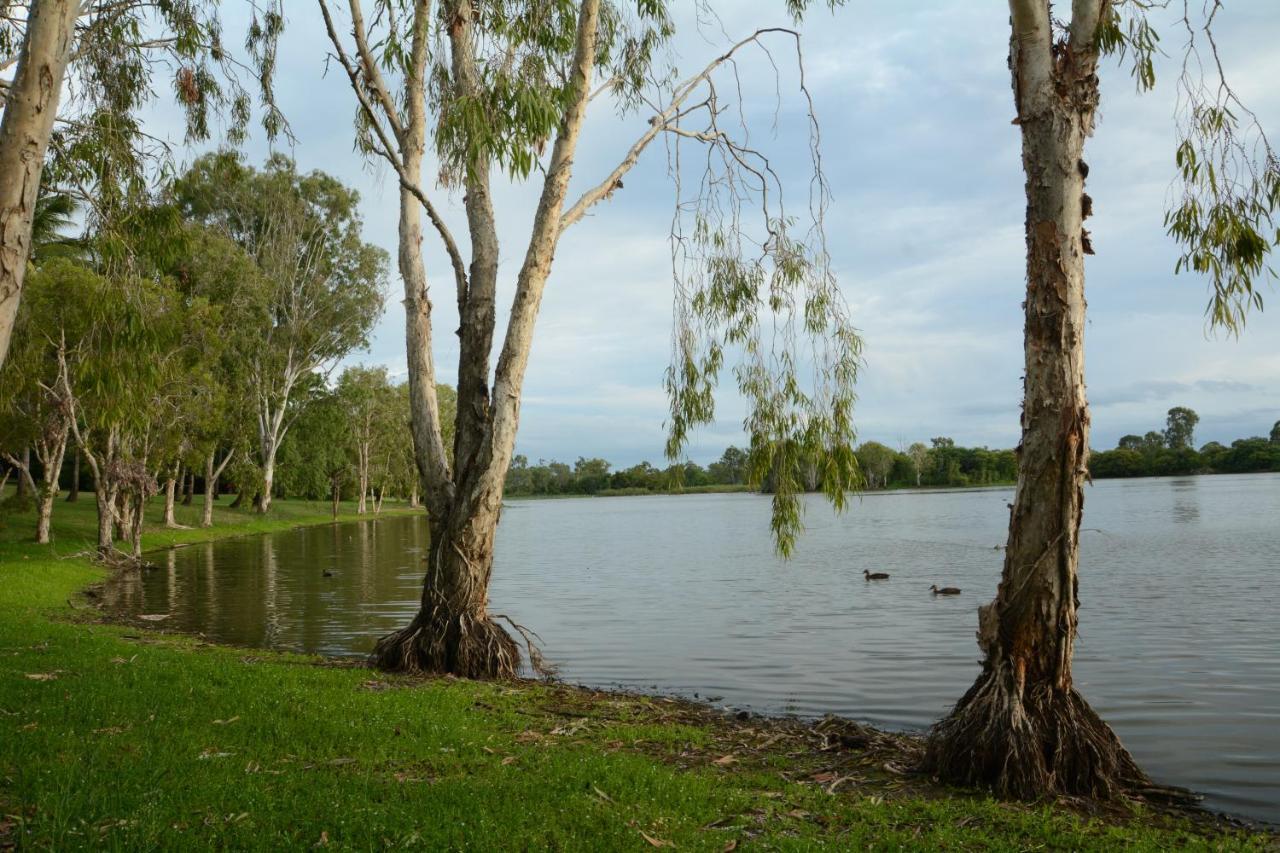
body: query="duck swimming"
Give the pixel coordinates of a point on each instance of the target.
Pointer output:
(874, 576)
(946, 590)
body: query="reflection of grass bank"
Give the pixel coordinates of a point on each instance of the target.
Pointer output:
(115, 738)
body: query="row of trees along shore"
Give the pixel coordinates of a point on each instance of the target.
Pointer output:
(189, 336)
(153, 353)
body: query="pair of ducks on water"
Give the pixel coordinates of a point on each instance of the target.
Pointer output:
(935, 589)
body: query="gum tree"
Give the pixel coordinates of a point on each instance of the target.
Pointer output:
(1023, 728)
(33, 410)
(315, 293)
(498, 87)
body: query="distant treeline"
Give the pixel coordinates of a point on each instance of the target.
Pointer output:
(1171, 451)
(941, 463)
(593, 477)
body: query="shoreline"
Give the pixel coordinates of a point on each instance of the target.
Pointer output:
(766, 762)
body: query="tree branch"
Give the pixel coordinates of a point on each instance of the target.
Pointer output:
(1032, 54)
(371, 72)
(388, 153)
(658, 123)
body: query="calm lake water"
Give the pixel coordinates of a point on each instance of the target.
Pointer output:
(1179, 640)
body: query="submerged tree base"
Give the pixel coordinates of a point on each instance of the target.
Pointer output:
(1040, 741)
(468, 645)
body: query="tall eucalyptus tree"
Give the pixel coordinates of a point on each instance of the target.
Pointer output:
(316, 291)
(508, 89)
(1023, 728)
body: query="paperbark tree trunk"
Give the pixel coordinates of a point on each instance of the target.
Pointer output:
(188, 488)
(1023, 729)
(30, 107)
(170, 495)
(137, 516)
(453, 631)
(51, 451)
(362, 467)
(105, 495)
(211, 475)
(263, 503)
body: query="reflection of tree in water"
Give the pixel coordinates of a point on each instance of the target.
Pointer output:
(368, 557)
(271, 616)
(171, 572)
(1186, 501)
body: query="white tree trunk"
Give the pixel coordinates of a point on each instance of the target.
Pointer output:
(268, 476)
(362, 464)
(30, 107)
(170, 498)
(51, 453)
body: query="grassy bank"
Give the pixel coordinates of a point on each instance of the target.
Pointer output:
(116, 737)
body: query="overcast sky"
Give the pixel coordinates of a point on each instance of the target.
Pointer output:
(925, 230)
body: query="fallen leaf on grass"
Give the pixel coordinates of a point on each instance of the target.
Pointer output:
(730, 845)
(602, 795)
(42, 676)
(725, 760)
(656, 842)
(109, 730)
(324, 839)
(227, 721)
(571, 728)
(510, 759)
(153, 617)
(336, 762)
(210, 752)
(824, 777)
(798, 814)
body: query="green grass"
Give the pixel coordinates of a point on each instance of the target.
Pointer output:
(117, 738)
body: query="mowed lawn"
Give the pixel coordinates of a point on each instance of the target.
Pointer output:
(116, 737)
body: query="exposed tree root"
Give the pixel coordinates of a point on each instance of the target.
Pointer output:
(114, 558)
(1042, 742)
(470, 645)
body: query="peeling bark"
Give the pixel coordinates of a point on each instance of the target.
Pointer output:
(1023, 729)
(453, 631)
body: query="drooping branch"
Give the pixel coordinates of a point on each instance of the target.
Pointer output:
(1229, 174)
